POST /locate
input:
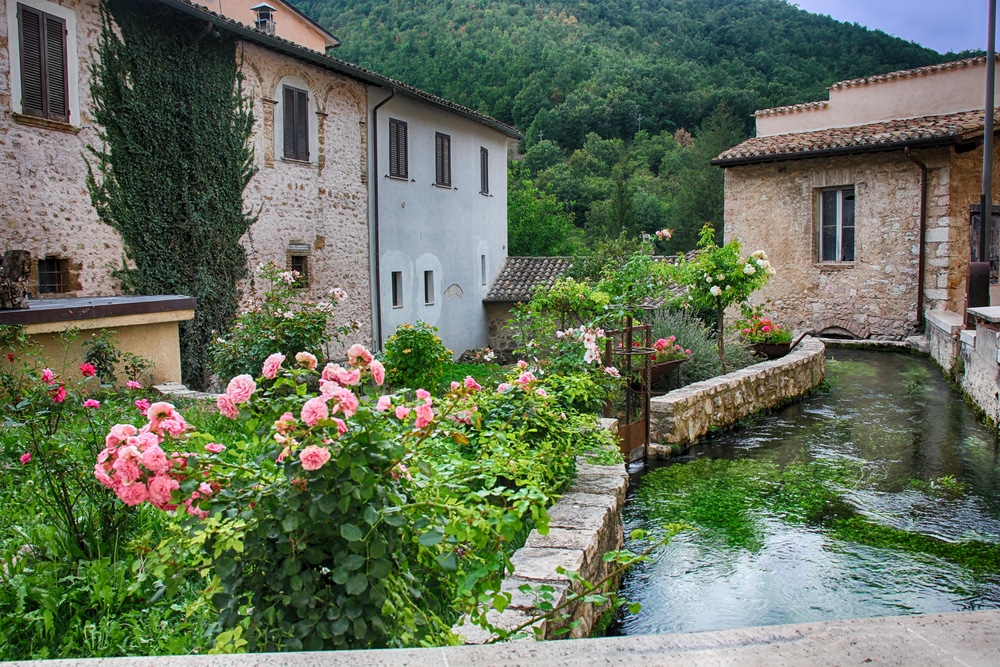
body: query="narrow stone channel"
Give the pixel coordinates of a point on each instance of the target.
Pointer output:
(879, 496)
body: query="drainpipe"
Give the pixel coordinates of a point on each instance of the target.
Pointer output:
(923, 231)
(986, 201)
(375, 230)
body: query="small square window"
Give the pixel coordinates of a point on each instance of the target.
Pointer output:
(429, 288)
(53, 275)
(397, 289)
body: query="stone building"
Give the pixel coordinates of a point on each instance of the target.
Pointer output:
(328, 204)
(862, 202)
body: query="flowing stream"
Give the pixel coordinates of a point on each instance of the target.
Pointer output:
(880, 496)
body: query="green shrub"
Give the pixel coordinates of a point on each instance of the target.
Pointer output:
(278, 322)
(415, 357)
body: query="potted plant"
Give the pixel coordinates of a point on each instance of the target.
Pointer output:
(668, 355)
(767, 336)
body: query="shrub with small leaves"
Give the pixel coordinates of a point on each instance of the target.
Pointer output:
(415, 356)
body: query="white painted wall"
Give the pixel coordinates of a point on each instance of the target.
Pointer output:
(423, 227)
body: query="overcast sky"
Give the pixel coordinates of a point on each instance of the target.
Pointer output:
(942, 25)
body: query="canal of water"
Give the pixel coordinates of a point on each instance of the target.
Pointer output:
(878, 496)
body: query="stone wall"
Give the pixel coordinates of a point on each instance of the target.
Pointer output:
(584, 524)
(970, 356)
(501, 339)
(682, 416)
(943, 329)
(774, 207)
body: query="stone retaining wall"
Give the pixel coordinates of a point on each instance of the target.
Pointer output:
(681, 417)
(584, 524)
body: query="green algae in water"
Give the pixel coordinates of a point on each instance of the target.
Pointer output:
(881, 497)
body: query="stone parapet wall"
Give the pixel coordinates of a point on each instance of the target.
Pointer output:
(943, 329)
(970, 356)
(684, 415)
(584, 524)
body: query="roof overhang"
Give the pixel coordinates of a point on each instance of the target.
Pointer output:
(843, 150)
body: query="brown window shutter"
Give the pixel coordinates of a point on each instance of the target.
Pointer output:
(442, 159)
(484, 171)
(302, 125)
(31, 24)
(55, 69)
(398, 166)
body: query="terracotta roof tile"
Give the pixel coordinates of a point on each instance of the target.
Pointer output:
(905, 73)
(519, 276)
(885, 135)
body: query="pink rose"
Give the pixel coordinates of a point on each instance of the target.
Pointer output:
(522, 364)
(504, 387)
(314, 410)
(226, 406)
(425, 415)
(160, 489)
(384, 403)
(541, 392)
(307, 360)
(48, 375)
(526, 378)
(205, 490)
(143, 405)
(155, 460)
(58, 394)
(402, 412)
(423, 395)
(118, 433)
(133, 494)
(215, 448)
(88, 370)
(102, 476)
(25, 458)
(378, 371)
(132, 384)
(341, 425)
(174, 426)
(241, 388)
(470, 383)
(91, 403)
(357, 355)
(144, 440)
(271, 365)
(314, 457)
(346, 401)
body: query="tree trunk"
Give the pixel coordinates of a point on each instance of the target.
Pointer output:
(15, 267)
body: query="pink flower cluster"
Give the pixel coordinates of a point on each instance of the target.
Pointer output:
(57, 392)
(664, 234)
(135, 466)
(239, 391)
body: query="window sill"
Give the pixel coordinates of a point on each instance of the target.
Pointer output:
(404, 179)
(46, 123)
(834, 266)
(442, 186)
(301, 163)
(486, 194)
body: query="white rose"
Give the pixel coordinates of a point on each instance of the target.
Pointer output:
(749, 270)
(716, 290)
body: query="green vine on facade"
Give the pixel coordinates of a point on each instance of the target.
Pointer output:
(173, 160)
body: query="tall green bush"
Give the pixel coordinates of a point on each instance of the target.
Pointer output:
(172, 162)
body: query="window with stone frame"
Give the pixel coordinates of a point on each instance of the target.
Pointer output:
(836, 224)
(295, 121)
(53, 275)
(43, 64)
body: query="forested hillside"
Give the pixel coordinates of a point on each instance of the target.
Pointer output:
(587, 76)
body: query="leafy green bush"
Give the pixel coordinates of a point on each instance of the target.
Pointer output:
(415, 357)
(278, 322)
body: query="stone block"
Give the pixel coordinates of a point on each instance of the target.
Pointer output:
(540, 564)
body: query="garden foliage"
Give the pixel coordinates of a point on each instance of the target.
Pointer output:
(414, 357)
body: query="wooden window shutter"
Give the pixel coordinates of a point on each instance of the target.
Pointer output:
(398, 166)
(484, 171)
(44, 81)
(296, 123)
(442, 159)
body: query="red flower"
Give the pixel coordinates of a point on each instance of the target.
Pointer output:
(88, 370)
(10, 358)
(58, 394)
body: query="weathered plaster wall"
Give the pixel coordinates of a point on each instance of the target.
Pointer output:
(445, 230)
(774, 207)
(682, 416)
(584, 524)
(322, 204)
(44, 205)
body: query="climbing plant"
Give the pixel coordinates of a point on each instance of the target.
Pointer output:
(172, 162)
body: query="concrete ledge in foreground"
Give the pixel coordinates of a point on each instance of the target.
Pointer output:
(961, 638)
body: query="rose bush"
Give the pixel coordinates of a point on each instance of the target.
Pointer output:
(348, 518)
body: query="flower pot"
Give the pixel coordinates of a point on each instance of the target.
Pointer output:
(662, 370)
(772, 350)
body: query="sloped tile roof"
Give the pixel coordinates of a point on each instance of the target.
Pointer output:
(335, 65)
(885, 135)
(519, 276)
(916, 71)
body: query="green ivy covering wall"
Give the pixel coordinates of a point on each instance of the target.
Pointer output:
(173, 161)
